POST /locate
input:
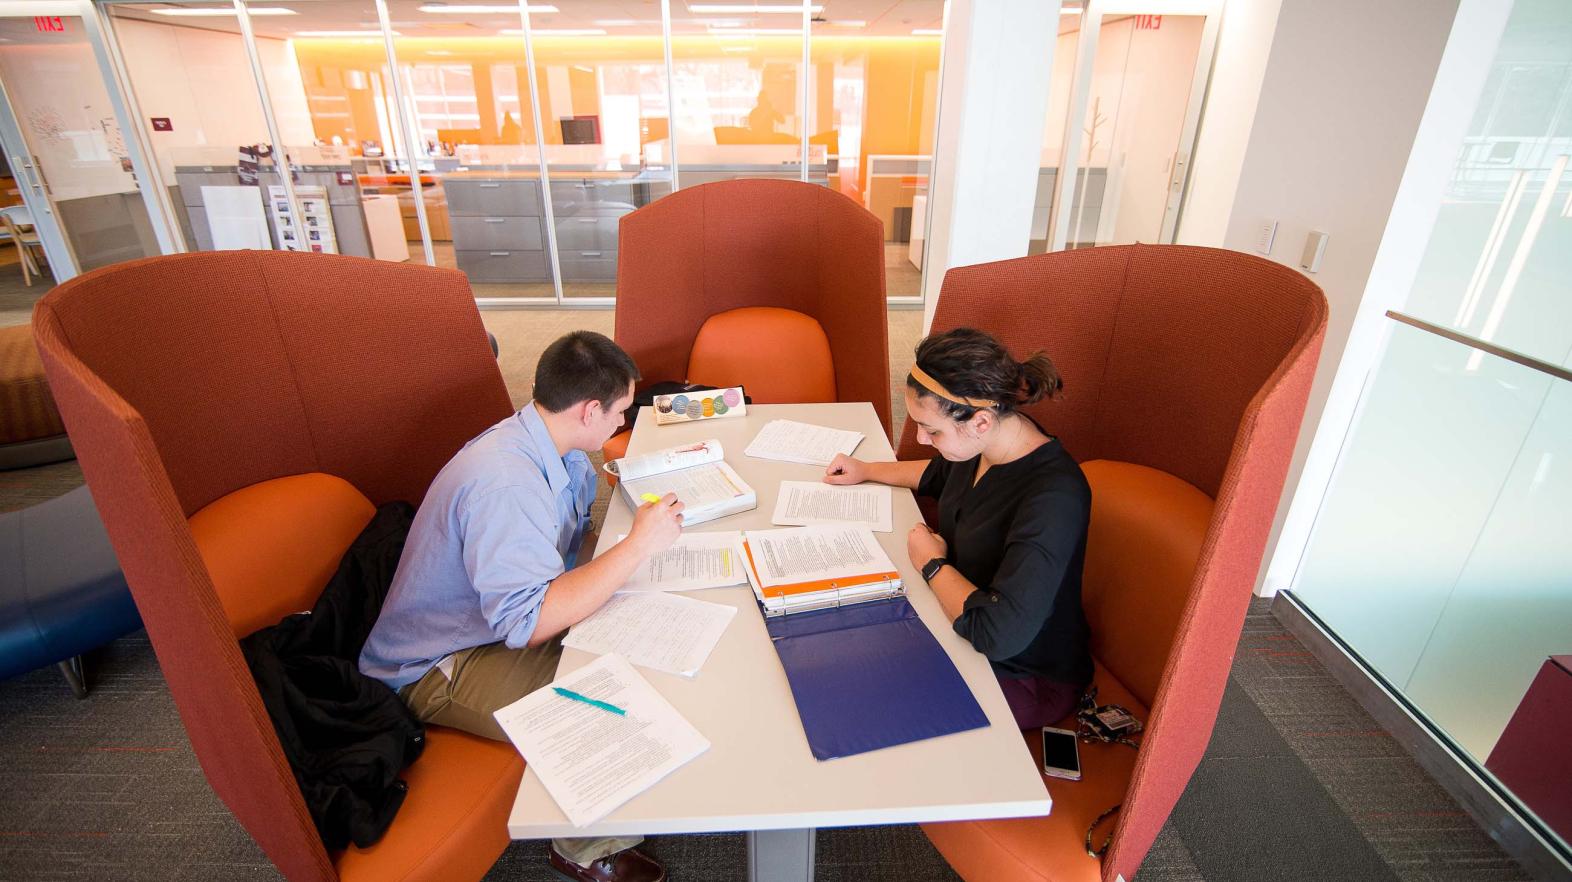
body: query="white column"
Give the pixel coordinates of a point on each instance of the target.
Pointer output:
(993, 104)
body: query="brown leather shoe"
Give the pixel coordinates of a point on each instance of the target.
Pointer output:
(628, 865)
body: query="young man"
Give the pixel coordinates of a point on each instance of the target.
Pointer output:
(490, 578)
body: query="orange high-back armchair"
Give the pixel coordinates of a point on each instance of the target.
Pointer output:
(238, 416)
(729, 245)
(1185, 377)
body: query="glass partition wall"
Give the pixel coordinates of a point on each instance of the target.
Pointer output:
(507, 140)
(1439, 555)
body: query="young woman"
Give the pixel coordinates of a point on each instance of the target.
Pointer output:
(1006, 560)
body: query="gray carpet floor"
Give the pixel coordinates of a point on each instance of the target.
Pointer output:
(1298, 783)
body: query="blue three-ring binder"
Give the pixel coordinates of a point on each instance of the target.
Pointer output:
(870, 675)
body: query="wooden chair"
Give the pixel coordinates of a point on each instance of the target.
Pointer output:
(14, 219)
(236, 440)
(1186, 372)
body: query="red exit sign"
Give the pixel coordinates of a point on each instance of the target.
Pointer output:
(1148, 22)
(49, 24)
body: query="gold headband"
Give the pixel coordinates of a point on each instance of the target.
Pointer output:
(938, 389)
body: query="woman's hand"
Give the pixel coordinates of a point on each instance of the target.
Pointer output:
(846, 470)
(923, 545)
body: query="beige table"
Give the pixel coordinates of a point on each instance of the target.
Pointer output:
(758, 775)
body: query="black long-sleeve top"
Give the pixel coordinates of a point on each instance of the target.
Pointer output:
(1019, 535)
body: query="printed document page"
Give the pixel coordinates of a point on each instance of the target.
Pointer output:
(791, 441)
(665, 632)
(592, 759)
(803, 503)
(694, 561)
(810, 554)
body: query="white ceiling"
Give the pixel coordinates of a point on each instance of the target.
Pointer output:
(882, 17)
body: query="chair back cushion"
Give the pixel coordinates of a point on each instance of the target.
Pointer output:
(780, 356)
(272, 547)
(1146, 534)
(731, 244)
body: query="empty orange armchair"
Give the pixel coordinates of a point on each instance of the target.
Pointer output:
(1186, 372)
(239, 415)
(775, 285)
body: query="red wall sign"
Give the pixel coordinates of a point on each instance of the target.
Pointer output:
(1148, 22)
(49, 24)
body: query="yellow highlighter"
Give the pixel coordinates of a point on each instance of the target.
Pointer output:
(649, 497)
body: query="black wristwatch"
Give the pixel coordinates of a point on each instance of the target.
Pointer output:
(932, 568)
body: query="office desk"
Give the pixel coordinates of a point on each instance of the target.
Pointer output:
(758, 774)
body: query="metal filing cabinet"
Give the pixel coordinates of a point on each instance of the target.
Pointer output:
(498, 233)
(588, 211)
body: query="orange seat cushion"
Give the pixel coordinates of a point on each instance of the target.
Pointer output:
(780, 356)
(271, 548)
(1146, 535)
(1051, 848)
(615, 447)
(454, 822)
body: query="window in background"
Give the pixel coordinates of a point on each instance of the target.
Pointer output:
(194, 73)
(739, 81)
(605, 112)
(468, 86)
(873, 99)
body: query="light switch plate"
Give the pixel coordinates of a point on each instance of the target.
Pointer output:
(1268, 234)
(1315, 246)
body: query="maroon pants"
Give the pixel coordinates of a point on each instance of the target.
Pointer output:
(1038, 702)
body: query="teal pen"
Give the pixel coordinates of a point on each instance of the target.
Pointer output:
(569, 693)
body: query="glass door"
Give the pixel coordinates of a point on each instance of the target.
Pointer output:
(1124, 130)
(73, 204)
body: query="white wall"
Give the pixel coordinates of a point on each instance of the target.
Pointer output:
(1345, 85)
(201, 80)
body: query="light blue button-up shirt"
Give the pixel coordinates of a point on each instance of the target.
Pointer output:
(502, 519)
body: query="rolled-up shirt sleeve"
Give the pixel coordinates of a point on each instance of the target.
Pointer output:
(1002, 618)
(511, 556)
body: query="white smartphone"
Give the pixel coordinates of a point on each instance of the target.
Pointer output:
(1061, 754)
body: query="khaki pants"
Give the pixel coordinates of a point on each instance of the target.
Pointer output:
(484, 680)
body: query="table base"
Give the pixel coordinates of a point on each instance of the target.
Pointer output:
(781, 855)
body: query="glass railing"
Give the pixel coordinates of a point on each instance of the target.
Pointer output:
(1441, 553)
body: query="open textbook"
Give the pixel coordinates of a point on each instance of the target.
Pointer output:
(803, 568)
(707, 487)
(599, 736)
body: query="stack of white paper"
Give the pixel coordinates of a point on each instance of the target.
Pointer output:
(693, 562)
(804, 568)
(592, 759)
(666, 632)
(804, 503)
(791, 441)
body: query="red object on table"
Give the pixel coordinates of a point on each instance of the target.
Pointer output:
(1534, 755)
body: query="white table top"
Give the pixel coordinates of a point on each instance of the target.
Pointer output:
(758, 773)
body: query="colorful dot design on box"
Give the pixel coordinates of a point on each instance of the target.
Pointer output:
(731, 398)
(663, 404)
(720, 406)
(680, 404)
(708, 406)
(695, 409)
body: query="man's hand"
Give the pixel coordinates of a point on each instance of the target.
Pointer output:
(844, 469)
(923, 545)
(656, 525)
